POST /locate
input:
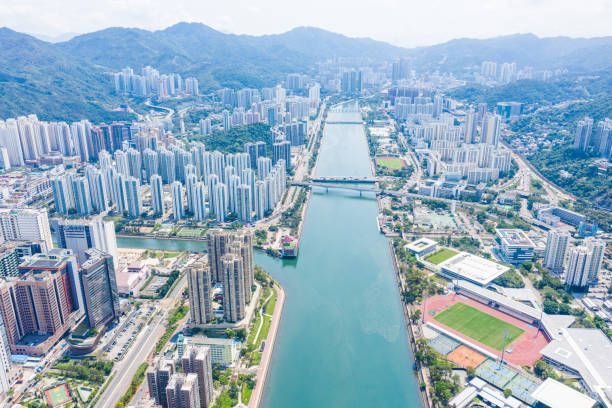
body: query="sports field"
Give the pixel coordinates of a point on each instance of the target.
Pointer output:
(440, 256)
(482, 327)
(58, 395)
(390, 163)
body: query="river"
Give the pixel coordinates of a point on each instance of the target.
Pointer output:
(342, 341)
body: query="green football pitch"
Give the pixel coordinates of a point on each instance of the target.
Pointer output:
(442, 255)
(478, 325)
(391, 163)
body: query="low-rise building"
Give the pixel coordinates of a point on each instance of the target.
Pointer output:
(515, 245)
(584, 353)
(421, 246)
(223, 352)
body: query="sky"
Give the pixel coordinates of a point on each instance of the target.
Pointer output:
(407, 23)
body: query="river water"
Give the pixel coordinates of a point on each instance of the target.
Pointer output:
(342, 341)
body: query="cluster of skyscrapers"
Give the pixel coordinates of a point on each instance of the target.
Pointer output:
(456, 151)
(151, 83)
(598, 140)
(583, 263)
(230, 264)
(51, 293)
(246, 184)
(191, 388)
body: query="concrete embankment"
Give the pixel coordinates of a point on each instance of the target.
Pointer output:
(264, 366)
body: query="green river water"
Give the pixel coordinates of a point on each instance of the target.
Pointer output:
(342, 340)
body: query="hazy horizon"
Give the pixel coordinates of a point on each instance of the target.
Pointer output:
(403, 23)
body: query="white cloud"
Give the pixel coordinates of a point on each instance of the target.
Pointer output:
(403, 22)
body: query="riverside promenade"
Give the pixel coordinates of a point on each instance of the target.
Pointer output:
(262, 372)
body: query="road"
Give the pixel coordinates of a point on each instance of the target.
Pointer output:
(143, 346)
(125, 370)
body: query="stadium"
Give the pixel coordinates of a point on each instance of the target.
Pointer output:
(482, 328)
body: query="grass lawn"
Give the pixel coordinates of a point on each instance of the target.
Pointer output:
(391, 163)
(440, 256)
(246, 393)
(478, 325)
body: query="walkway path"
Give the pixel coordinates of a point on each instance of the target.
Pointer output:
(261, 316)
(267, 353)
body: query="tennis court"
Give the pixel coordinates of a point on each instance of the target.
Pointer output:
(58, 396)
(466, 357)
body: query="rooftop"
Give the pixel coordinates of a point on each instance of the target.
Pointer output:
(199, 339)
(473, 268)
(557, 395)
(582, 351)
(420, 244)
(514, 237)
(501, 299)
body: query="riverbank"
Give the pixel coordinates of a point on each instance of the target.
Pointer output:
(151, 236)
(418, 369)
(262, 372)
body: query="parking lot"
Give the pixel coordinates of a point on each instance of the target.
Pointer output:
(124, 337)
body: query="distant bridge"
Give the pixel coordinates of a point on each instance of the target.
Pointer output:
(344, 122)
(369, 180)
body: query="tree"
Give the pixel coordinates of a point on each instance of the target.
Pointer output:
(507, 393)
(551, 307)
(415, 316)
(471, 372)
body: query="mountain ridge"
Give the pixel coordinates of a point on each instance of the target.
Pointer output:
(70, 79)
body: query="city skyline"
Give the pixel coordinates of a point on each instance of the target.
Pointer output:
(403, 24)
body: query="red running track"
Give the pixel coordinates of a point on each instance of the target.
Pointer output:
(525, 349)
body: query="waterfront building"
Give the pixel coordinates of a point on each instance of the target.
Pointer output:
(200, 295)
(282, 151)
(100, 295)
(556, 247)
(197, 360)
(81, 235)
(217, 242)
(157, 195)
(234, 291)
(178, 206)
(260, 196)
(133, 197)
(241, 244)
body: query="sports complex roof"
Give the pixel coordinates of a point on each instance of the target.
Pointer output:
(472, 268)
(557, 395)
